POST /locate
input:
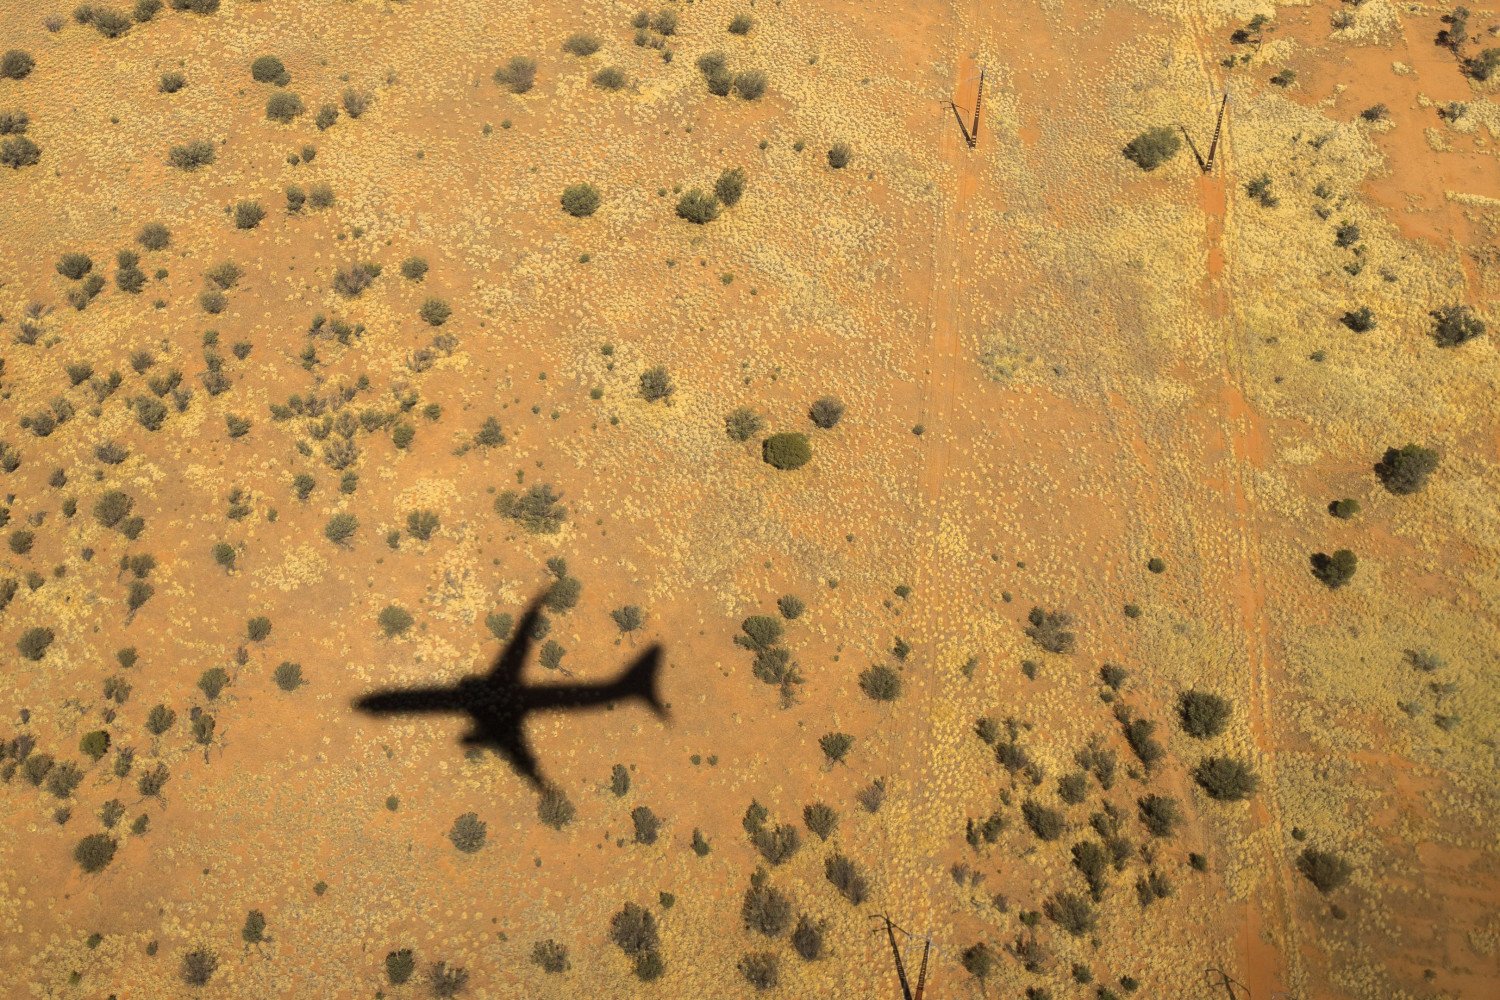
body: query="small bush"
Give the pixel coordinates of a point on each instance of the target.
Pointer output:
(839, 155)
(1455, 325)
(628, 618)
(698, 207)
(340, 528)
(845, 876)
(94, 852)
(1226, 779)
(1405, 470)
(787, 450)
(199, 965)
(647, 825)
(1344, 509)
(1203, 715)
(880, 683)
(1051, 630)
(14, 122)
(656, 384)
(1072, 913)
(171, 82)
(288, 676)
(826, 412)
(537, 510)
(394, 620)
(326, 118)
(248, 214)
(633, 931)
(355, 102)
(750, 84)
(554, 809)
(821, 819)
(1047, 823)
(550, 956)
(742, 424)
(269, 69)
(1325, 870)
(414, 268)
(18, 151)
(580, 200)
(399, 966)
(191, 156)
(1159, 814)
(74, 265)
(154, 236)
(518, 75)
(16, 65)
(283, 106)
(730, 187)
(1360, 320)
(610, 78)
(1153, 147)
(761, 969)
(740, 24)
(33, 642)
(582, 44)
(435, 312)
(468, 833)
(1334, 571)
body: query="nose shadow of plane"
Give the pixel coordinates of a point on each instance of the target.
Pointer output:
(498, 702)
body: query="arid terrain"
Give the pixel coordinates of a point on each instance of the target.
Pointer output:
(1079, 546)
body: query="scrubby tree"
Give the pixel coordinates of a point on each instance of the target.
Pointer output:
(1325, 870)
(198, 966)
(1203, 714)
(730, 187)
(283, 106)
(16, 64)
(518, 75)
(33, 643)
(340, 528)
(1226, 779)
(394, 620)
(1335, 570)
(1405, 470)
(742, 424)
(269, 69)
(786, 450)
(839, 155)
(95, 852)
(1456, 324)
(1051, 630)
(468, 833)
(399, 966)
(629, 618)
(656, 384)
(580, 200)
(1153, 147)
(550, 956)
(554, 809)
(826, 412)
(698, 207)
(880, 683)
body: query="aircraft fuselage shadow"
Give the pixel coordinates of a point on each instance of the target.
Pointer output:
(498, 702)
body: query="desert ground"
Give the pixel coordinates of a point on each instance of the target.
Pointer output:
(1054, 651)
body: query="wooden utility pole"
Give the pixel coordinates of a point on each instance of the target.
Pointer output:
(1207, 165)
(978, 102)
(890, 933)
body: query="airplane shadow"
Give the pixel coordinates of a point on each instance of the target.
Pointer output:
(498, 702)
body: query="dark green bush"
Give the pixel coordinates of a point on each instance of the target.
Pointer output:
(826, 412)
(518, 75)
(394, 620)
(761, 969)
(1335, 570)
(1153, 147)
(1051, 630)
(845, 876)
(742, 424)
(1455, 325)
(633, 931)
(730, 187)
(537, 510)
(94, 852)
(413, 269)
(1405, 470)
(580, 200)
(880, 683)
(550, 956)
(18, 151)
(1226, 779)
(1203, 714)
(839, 155)
(554, 809)
(326, 117)
(647, 825)
(468, 833)
(786, 450)
(154, 236)
(697, 207)
(399, 966)
(269, 69)
(1325, 870)
(248, 214)
(740, 24)
(1071, 912)
(340, 528)
(33, 642)
(74, 265)
(1344, 509)
(582, 44)
(288, 675)
(610, 78)
(1159, 814)
(1360, 320)
(145, 10)
(16, 65)
(435, 312)
(1047, 823)
(283, 106)
(199, 965)
(191, 156)
(628, 618)
(656, 384)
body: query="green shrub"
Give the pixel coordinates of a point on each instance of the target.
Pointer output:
(326, 117)
(765, 909)
(1071, 912)
(786, 450)
(730, 187)
(1226, 779)
(413, 269)
(750, 84)
(1325, 870)
(1047, 823)
(394, 620)
(1153, 147)
(554, 809)
(1484, 65)
(880, 683)
(826, 412)
(399, 965)
(213, 681)
(791, 606)
(18, 151)
(1405, 470)
(283, 106)
(1360, 320)
(74, 265)
(355, 102)
(629, 618)
(468, 833)
(697, 207)
(1051, 630)
(94, 852)
(740, 24)
(14, 122)
(761, 969)
(537, 510)
(248, 214)
(580, 200)
(16, 65)
(647, 825)
(1455, 325)
(1159, 814)
(95, 745)
(742, 424)
(839, 155)
(288, 676)
(845, 876)
(191, 156)
(610, 78)
(435, 312)
(340, 528)
(1344, 509)
(198, 965)
(582, 44)
(159, 720)
(656, 384)
(33, 642)
(1203, 715)
(154, 236)
(145, 10)
(550, 956)
(269, 69)
(518, 75)
(1334, 571)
